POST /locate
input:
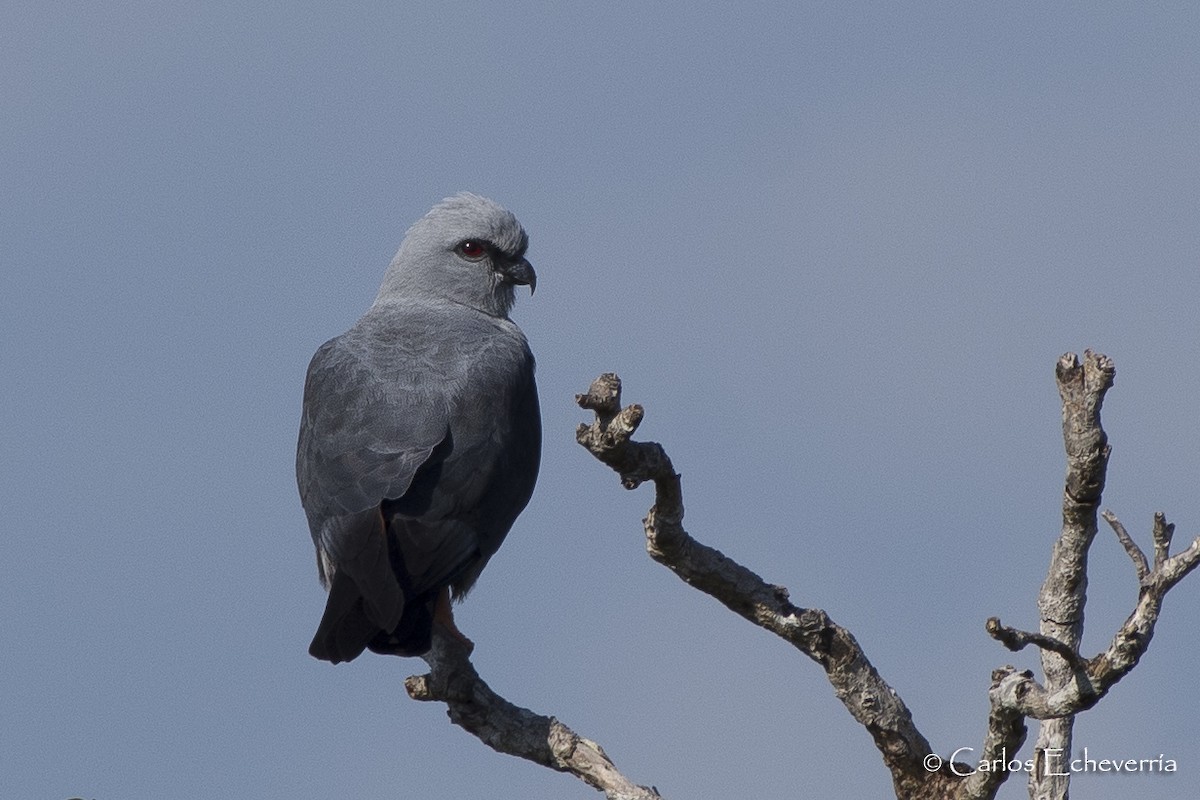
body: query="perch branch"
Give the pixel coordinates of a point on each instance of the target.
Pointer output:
(507, 728)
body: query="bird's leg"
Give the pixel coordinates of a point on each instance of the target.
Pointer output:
(444, 616)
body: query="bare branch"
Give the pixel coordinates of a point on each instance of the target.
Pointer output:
(1082, 388)
(1092, 679)
(1006, 733)
(1140, 566)
(1015, 640)
(867, 697)
(1133, 638)
(1072, 683)
(1162, 534)
(507, 728)
(1177, 567)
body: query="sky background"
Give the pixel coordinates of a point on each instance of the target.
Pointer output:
(835, 249)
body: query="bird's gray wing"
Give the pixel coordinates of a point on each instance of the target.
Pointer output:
(515, 471)
(449, 527)
(366, 432)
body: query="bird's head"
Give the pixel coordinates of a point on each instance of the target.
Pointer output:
(467, 250)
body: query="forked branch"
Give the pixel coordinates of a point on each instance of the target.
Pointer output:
(1073, 683)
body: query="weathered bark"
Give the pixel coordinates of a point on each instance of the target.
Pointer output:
(1064, 593)
(858, 685)
(507, 728)
(1071, 682)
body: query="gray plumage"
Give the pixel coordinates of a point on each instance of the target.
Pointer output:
(420, 437)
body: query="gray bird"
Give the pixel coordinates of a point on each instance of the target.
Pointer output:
(420, 437)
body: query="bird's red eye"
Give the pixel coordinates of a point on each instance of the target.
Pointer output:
(472, 249)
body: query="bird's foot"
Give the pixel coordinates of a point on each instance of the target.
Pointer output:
(443, 615)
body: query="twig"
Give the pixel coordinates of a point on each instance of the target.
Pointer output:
(1162, 532)
(1015, 640)
(1133, 638)
(1140, 566)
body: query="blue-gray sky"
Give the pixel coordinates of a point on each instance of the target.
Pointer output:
(834, 249)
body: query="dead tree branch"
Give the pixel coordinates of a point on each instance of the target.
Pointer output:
(1064, 592)
(1140, 566)
(1016, 640)
(1072, 683)
(507, 728)
(867, 697)
(1092, 678)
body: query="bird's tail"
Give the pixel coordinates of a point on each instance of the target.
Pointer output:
(346, 629)
(391, 616)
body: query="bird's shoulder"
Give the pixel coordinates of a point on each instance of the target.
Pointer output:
(438, 340)
(390, 388)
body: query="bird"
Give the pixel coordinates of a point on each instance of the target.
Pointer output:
(420, 434)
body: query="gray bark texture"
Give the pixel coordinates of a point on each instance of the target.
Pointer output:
(507, 728)
(1071, 683)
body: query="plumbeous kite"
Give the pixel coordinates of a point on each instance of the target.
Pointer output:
(421, 436)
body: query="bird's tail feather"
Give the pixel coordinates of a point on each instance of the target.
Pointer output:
(346, 630)
(345, 627)
(351, 624)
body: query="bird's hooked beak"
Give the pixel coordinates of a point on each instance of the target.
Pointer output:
(520, 273)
